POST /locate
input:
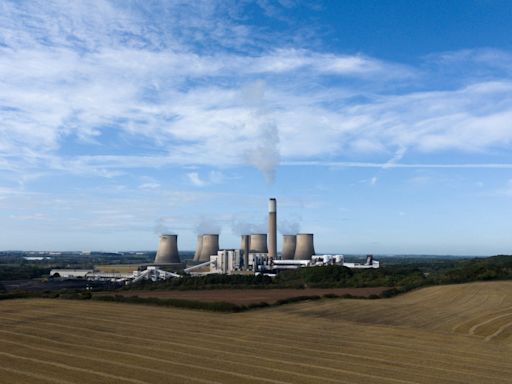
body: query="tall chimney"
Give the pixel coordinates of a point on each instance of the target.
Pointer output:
(167, 250)
(272, 228)
(289, 245)
(210, 246)
(199, 246)
(305, 248)
(259, 243)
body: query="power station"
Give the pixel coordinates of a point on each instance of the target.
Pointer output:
(257, 252)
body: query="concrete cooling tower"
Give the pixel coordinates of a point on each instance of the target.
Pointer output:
(199, 247)
(245, 246)
(167, 250)
(245, 240)
(259, 243)
(272, 228)
(289, 245)
(210, 246)
(304, 248)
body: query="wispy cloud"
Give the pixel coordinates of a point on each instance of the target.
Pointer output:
(213, 177)
(355, 164)
(72, 76)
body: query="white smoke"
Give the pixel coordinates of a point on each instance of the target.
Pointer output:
(289, 226)
(242, 227)
(264, 155)
(161, 227)
(205, 225)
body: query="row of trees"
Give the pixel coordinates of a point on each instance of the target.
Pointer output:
(406, 277)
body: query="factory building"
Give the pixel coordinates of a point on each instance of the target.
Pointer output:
(257, 254)
(370, 263)
(70, 273)
(226, 261)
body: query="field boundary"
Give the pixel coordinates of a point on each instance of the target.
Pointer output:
(214, 306)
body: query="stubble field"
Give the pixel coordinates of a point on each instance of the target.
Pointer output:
(449, 334)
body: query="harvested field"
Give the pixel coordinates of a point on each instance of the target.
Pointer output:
(478, 309)
(248, 296)
(433, 335)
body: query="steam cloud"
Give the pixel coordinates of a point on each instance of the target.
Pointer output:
(265, 155)
(241, 227)
(288, 226)
(207, 226)
(161, 227)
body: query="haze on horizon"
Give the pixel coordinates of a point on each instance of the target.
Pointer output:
(380, 126)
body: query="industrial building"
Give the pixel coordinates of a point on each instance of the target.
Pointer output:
(257, 254)
(150, 273)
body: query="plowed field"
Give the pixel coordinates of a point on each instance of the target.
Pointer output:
(451, 334)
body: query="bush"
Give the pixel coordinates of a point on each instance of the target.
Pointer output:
(296, 299)
(211, 281)
(22, 272)
(219, 306)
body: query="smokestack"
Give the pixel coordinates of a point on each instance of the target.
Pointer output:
(289, 245)
(245, 246)
(369, 260)
(167, 250)
(259, 243)
(272, 228)
(210, 246)
(304, 248)
(199, 246)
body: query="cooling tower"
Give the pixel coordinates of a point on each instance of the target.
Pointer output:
(245, 246)
(167, 250)
(272, 228)
(199, 246)
(304, 248)
(259, 243)
(210, 246)
(289, 245)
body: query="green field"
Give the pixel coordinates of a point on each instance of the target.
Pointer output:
(442, 334)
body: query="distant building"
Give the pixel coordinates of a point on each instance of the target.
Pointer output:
(70, 273)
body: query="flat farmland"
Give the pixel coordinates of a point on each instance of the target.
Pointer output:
(450, 334)
(248, 296)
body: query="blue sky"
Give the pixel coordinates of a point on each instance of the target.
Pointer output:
(381, 126)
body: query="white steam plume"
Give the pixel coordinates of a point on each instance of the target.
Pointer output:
(264, 155)
(161, 228)
(206, 225)
(288, 226)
